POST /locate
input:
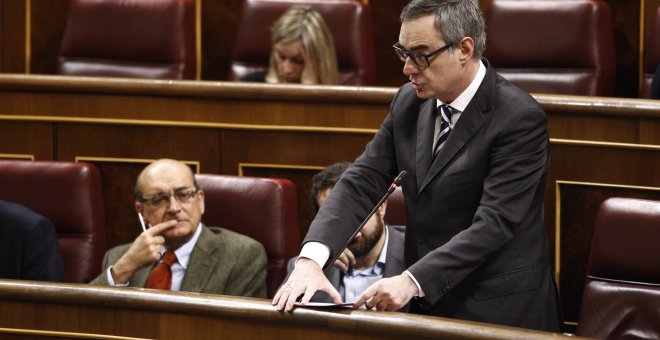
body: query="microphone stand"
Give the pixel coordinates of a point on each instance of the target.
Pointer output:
(397, 182)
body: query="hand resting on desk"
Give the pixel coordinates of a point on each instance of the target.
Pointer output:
(306, 278)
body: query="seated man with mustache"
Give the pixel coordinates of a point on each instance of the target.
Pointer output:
(178, 252)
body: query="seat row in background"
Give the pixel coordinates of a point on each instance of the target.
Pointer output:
(543, 46)
(70, 195)
(156, 39)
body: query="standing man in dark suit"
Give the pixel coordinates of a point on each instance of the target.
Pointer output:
(374, 253)
(28, 245)
(476, 245)
(203, 259)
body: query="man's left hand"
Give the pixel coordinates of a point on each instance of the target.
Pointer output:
(388, 294)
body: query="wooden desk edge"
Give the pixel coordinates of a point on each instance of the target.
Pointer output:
(643, 108)
(256, 309)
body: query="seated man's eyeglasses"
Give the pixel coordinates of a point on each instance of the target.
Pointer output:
(420, 59)
(183, 195)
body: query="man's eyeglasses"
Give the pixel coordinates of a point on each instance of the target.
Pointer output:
(183, 195)
(420, 59)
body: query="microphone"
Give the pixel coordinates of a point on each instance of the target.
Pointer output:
(397, 182)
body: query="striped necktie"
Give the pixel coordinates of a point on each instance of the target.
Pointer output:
(445, 112)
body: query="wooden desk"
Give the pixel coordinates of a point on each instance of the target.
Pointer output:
(233, 105)
(73, 311)
(599, 147)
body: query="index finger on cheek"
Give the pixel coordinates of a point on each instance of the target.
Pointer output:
(161, 227)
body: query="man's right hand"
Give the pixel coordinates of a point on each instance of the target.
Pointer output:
(146, 249)
(306, 278)
(345, 260)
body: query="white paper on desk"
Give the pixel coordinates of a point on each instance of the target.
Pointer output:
(324, 305)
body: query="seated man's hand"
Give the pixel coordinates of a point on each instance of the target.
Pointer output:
(306, 278)
(146, 249)
(388, 294)
(345, 260)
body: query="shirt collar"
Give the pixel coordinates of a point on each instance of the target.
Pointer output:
(383, 252)
(183, 253)
(377, 269)
(462, 101)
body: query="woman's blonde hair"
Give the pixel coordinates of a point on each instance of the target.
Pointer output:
(307, 25)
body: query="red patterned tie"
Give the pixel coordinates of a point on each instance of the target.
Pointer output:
(161, 275)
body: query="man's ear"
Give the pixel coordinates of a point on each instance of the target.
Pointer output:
(139, 207)
(383, 208)
(201, 200)
(466, 48)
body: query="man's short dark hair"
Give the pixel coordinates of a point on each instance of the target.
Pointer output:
(326, 179)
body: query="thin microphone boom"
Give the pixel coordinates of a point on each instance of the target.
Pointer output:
(397, 182)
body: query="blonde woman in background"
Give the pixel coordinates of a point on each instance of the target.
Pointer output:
(303, 50)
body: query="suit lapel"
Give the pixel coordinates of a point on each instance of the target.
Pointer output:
(471, 120)
(201, 263)
(469, 123)
(393, 260)
(425, 128)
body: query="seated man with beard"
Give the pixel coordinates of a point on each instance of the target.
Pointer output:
(376, 251)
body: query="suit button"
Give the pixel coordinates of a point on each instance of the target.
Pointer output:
(421, 240)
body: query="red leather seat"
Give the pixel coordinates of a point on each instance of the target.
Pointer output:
(69, 195)
(622, 290)
(349, 20)
(651, 56)
(552, 46)
(396, 208)
(130, 38)
(262, 208)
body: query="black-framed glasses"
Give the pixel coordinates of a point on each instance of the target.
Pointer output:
(183, 195)
(420, 59)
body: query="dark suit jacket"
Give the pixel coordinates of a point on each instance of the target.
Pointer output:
(28, 245)
(475, 237)
(222, 262)
(394, 264)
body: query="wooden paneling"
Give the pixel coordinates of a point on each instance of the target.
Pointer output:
(47, 23)
(649, 132)
(12, 36)
(118, 179)
(141, 142)
(219, 29)
(260, 106)
(27, 138)
(386, 25)
(626, 24)
(145, 313)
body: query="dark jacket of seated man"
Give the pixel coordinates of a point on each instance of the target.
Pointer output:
(207, 259)
(28, 245)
